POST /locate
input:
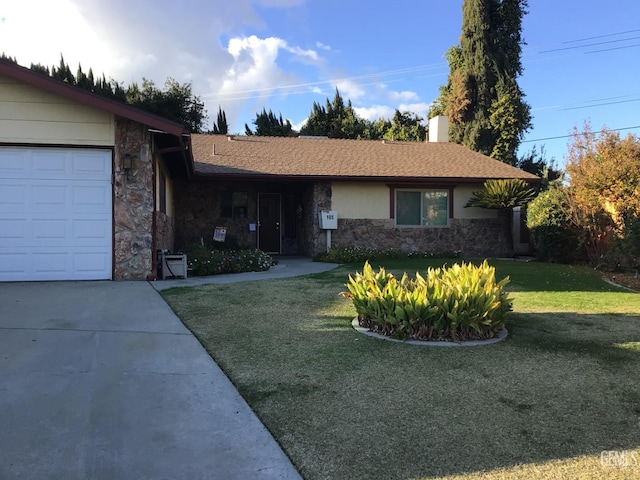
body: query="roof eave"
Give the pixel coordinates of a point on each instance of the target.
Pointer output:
(348, 178)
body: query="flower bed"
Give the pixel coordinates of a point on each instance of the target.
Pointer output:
(204, 261)
(458, 303)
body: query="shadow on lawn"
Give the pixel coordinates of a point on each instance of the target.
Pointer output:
(545, 394)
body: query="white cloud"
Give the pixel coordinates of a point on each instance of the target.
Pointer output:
(403, 96)
(322, 46)
(349, 89)
(374, 112)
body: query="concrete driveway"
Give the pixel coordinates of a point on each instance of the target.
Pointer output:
(100, 380)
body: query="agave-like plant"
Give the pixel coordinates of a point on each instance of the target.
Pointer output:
(504, 196)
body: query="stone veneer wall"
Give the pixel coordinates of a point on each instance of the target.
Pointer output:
(475, 238)
(316, 199)
(197, 210)
(165, 231)
(133, 202)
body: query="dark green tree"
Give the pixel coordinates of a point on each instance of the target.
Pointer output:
(535, 162)
(176, 102)
(268, 125)
(482, 99)
(406, 126)
(335, 120)
(220, 126)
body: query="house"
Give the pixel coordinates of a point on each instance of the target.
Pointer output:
(268, 192)
(91, 188)
(85, 182)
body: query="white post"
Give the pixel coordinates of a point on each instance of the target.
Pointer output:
(328, 240)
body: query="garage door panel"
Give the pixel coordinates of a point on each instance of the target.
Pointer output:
(55, 214)
(13, 230)
(13, 196)
(50, 164)
(91, 198)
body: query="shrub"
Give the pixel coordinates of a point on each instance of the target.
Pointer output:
(204, 261)
(552, 236)
(456, 303)
(359, 255)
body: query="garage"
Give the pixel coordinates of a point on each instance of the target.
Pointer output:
(55, 214)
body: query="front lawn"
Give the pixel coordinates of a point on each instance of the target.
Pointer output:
(543, 404)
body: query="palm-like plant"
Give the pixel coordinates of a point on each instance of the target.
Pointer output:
(504, 196)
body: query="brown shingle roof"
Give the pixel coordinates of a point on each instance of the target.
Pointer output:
(316, 158)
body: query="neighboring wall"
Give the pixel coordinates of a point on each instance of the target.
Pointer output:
(364, 220)
(31, 115)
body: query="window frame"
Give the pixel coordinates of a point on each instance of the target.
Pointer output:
(421, 188)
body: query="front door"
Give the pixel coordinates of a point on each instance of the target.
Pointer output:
(269, 222)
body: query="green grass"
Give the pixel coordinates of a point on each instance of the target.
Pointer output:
(542, 404)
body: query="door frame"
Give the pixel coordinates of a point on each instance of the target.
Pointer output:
(279, 196)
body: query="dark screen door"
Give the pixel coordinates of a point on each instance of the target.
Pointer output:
(269, 222)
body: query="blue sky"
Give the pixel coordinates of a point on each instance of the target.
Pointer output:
(581, 61)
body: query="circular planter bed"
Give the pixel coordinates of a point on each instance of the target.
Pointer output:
(501, 335)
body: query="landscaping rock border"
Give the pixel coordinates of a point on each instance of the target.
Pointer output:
(502, 334)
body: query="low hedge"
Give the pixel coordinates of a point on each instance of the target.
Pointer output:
(204, 261)
(462, 302)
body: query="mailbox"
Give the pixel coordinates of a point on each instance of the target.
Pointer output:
(329, 220)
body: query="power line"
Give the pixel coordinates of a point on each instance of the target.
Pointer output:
(590, 44)
(569, 136)
(616, 48)
(602, 36)
(603, 104)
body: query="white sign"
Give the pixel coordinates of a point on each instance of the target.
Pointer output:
(220, 234)
(329, 219)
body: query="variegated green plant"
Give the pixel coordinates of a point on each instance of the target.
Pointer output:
(462, 301)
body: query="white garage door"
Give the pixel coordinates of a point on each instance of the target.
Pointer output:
(55, 214)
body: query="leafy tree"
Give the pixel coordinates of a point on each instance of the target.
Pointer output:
(220, 126)
(406, 126)
(335, 120)
(268, 125)
(536, 162)
(175, 102)
(604, 195)
(482, 99)
(504, 196)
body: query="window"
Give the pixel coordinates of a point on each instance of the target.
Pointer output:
(428, 208)
(233, 204)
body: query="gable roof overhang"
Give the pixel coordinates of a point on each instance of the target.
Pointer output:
(170, 135)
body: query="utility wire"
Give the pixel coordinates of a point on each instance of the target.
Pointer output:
(569, 136)
(590, 44)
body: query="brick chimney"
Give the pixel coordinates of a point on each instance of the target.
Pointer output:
(439, 129)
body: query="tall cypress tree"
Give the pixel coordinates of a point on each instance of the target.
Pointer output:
(220, 126)
(482, 98)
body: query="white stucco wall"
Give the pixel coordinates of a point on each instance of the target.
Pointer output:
(360, 200)
(461, 195)
(31, 115)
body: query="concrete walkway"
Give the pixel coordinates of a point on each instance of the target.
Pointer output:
(100, 380)
(286, 267)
